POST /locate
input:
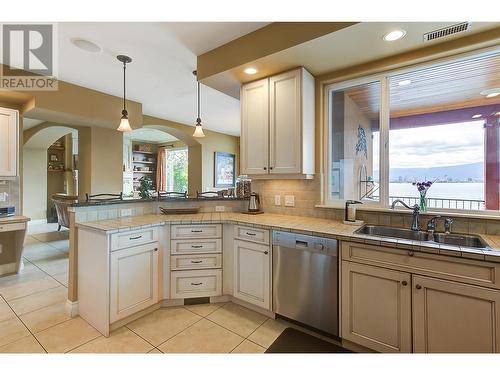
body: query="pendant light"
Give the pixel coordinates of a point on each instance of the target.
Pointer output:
(198, 130)
(124, 124)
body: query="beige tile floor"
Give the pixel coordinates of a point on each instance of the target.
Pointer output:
(32, 317)
(33, 320)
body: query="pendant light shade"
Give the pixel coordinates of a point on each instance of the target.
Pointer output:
(124, 123)
(198, 130)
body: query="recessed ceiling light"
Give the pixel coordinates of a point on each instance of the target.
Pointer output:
(394, 35)
(86, 45)
(477, 115)
(250, 70)
(490, 93)
(404, 82)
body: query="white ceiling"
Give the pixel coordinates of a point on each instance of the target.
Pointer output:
(150, 135)
(160, 76)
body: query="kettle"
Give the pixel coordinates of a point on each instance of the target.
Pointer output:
(254, 203)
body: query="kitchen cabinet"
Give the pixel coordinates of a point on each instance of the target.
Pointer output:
(277, 126)
(133, 280)
(251, 272)
(376, 307)
(396, 300)
(451, 317)
(254, 139)
(9, 142)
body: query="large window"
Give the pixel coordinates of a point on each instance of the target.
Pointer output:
(177, 169)
(437, 124)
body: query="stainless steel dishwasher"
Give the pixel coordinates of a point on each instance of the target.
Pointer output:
(305, 280)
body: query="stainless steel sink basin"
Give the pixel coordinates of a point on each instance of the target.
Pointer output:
(405, 234)
(466, 240)
(452, 239)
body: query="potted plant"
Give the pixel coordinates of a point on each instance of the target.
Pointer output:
(145, 187)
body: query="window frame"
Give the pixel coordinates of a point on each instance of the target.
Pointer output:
(384, 78)
(178, 148)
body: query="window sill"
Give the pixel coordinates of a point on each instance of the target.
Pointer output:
(491, 215)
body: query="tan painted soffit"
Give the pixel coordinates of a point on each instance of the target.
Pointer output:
(270, 39)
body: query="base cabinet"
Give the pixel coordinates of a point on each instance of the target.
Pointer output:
(450, 317)
(252, 273)
(133, 280)
(376, 307)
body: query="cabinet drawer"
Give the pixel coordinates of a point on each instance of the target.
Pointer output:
(251, 234)
(12, 227)
(456, 269)
(179, 247)
(122, 240)
(191, 262)
(198, 283)
(196, 231)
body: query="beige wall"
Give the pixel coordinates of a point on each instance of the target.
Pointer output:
(210, 144)
(106, 165)
(35, 186)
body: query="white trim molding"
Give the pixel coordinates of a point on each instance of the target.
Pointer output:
(71, 308)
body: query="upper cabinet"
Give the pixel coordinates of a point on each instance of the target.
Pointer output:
(277, 126)
(9, 143)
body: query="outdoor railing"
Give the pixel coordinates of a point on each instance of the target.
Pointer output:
(455, 203)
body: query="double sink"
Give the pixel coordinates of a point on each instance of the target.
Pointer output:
(453, 239)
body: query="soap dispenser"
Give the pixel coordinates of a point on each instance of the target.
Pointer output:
(350, 212)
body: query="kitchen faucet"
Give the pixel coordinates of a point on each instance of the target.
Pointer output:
(415, 224)
(431, 224)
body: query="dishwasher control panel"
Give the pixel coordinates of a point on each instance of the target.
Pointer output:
(327, 246)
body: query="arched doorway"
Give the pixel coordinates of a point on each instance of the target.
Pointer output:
(50, 154)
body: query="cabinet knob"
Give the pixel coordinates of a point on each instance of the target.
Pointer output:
(271, 168)
(418, 286)
(404, 283)
(266, 252)
(156, 249)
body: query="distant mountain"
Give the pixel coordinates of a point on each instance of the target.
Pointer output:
(463, 172)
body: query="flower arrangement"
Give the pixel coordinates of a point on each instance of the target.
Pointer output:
(422, 187)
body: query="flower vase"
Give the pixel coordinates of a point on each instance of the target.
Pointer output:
(423, 201)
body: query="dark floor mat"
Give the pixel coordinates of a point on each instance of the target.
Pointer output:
(295, 341)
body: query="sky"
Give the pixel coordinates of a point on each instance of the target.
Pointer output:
(435, 146)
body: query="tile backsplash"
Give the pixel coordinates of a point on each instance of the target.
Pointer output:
(10, 194)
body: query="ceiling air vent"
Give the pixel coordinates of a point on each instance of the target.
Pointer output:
(447, 31)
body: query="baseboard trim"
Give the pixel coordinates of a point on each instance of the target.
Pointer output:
(249, 306)
(71, 308)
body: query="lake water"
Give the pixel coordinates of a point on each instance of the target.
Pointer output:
(451, 190)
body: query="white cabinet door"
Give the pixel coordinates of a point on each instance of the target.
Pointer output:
(450, 317)
(376, 307)
(255, 127)
(285, 123)
(133, 280)
(252, 269)
(9, 130)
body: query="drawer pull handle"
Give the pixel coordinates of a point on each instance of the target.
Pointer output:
(251, 234)
(196, 246)
(411, 253)
(196, 261)
(196, 230)
(418, 286)
(404, 283)
(196, 284)
(135, 238)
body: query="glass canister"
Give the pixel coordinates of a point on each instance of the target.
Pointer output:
(243, 186)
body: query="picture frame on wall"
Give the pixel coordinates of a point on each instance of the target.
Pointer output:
(224, 169)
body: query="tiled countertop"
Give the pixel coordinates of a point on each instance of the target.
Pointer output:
(299, 224)
(14, 219)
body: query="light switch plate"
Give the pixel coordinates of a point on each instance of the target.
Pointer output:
(277, 200)
(126, 212)
(290, 200)
(220, 209)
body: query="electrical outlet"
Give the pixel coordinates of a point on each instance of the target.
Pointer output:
(290, 200)
(277, 200)
(220, 208)
(3, 197)
(126, 212)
